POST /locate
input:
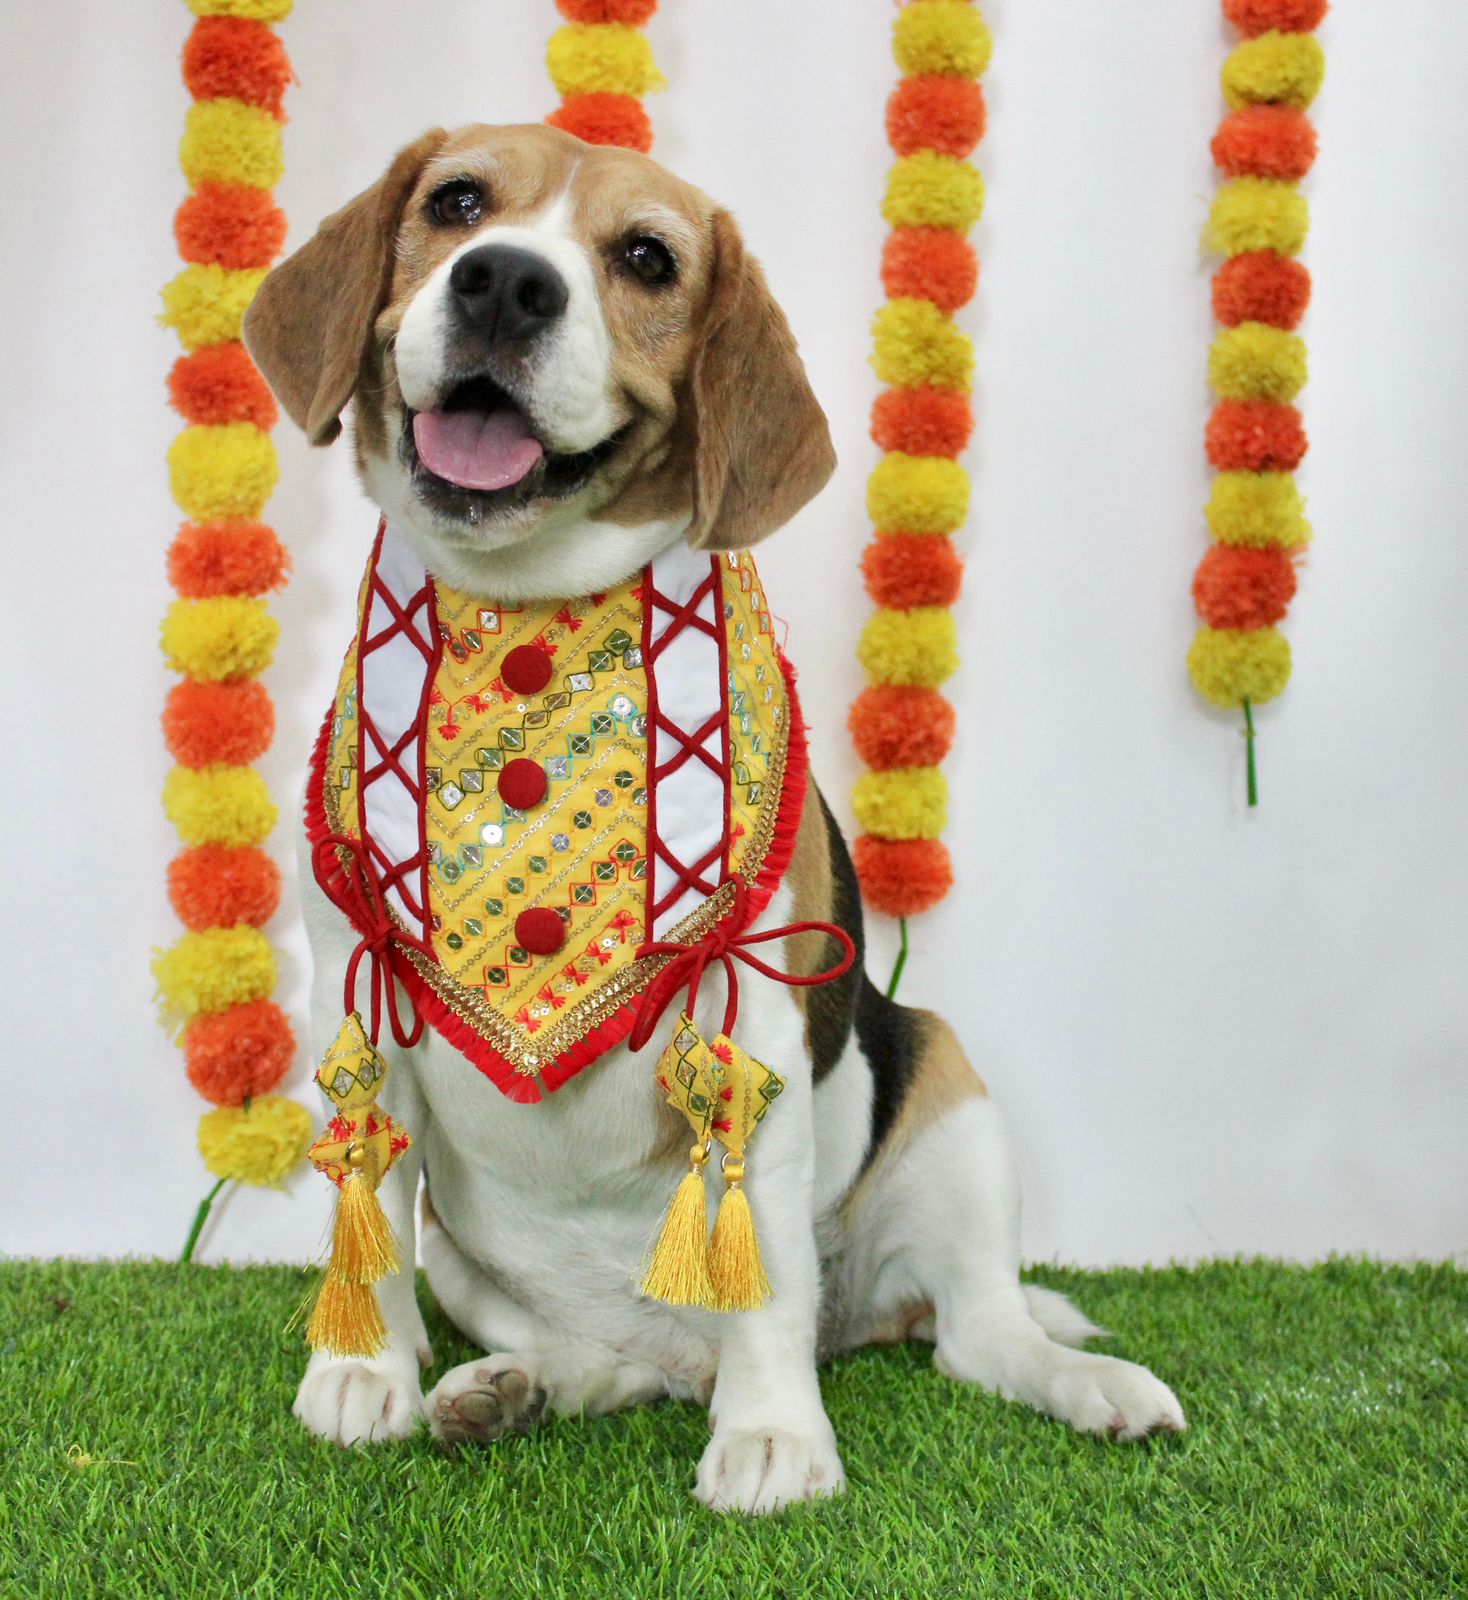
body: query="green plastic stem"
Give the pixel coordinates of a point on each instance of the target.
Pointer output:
(201, 1216)
(901, 961)
(1249, 741)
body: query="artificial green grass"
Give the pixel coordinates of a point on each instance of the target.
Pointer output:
(1329, 1412)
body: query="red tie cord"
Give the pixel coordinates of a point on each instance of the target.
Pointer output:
(727, 944)
(343, 868)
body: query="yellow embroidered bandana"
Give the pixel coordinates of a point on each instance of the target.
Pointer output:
(541, 790)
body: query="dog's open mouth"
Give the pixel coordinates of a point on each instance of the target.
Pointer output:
(479, 440)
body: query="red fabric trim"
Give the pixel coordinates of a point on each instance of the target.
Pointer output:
(792, 799)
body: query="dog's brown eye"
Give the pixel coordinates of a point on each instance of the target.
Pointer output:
(457, 204)
(649, 260)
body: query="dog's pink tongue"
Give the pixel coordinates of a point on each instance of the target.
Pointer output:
(476, 451)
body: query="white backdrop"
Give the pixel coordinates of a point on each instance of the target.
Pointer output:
(1213, 1031)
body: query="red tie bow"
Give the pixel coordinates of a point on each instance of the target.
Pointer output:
(727, 943)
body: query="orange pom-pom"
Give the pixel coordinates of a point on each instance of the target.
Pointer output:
(1235, 587)
(220, 383)
(236, 1054)
(605, 119)
(903, 570)
(896, 726)
(1260, 286)
(233, 556)
(1255, 436)
(935, 112)
(237, 57)
(934, 264)
(208, 723)
(229, 224)
(901, 876)
(633, 12)
(218, 886)
(1253, 17)
(922, 422)
(1265, 142)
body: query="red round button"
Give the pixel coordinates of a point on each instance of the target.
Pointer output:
(522, 783)
(540, 931)
(526, 669)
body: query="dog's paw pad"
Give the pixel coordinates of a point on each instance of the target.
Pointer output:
(480, 1402)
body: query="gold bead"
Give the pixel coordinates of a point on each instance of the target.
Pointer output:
(356, 1155)
(698, 1155)
(733, 1169)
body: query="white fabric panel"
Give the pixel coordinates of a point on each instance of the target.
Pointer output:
(392, 689)
(690, 801)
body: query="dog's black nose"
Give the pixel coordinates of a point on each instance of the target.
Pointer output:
(507, 293)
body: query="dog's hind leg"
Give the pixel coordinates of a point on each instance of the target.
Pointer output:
(934, 1248)
(531, 1367)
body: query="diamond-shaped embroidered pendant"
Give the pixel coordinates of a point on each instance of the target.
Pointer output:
(746, 1088)
(358, 1147)
(723, 1092)
(361, 1137)
(687, 1075)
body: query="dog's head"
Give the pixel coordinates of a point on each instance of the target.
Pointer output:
(544, 337)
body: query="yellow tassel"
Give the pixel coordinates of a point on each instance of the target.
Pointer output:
(362, 1246)
(679, 1270)
(346, 1319)
(735, 1267)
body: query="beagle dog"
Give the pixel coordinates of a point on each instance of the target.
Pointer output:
(563, 365)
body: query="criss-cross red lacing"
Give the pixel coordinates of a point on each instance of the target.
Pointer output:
(345, 872)
(686, 746)
(726, 944)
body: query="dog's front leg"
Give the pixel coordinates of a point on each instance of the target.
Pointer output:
(365, 1400)
(772, 1442)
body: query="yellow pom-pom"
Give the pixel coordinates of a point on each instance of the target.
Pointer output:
(602, 58)
(256, 10)
(226, 636)
(905, 803)
(213, 970)
(224, 470)
(1262, 510)
(1257, 362)
(1277, 69)
(1229, 665)
(914, 345)
(228, 141)
(928, 190)
(206, 304)
(218, 805)
(917, 494)
(258, 1144)
(947, 36)
(1257, 214)
(910, 647)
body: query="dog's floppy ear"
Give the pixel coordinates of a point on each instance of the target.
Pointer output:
(309, 324)
(761, 444)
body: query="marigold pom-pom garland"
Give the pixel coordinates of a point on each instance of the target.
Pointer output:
(918, 493)
(1256, 366)
(215, 980)
(601, 66)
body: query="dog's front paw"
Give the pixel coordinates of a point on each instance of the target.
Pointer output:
(359, 1402)
(1103, 1394)
(758, 1470)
